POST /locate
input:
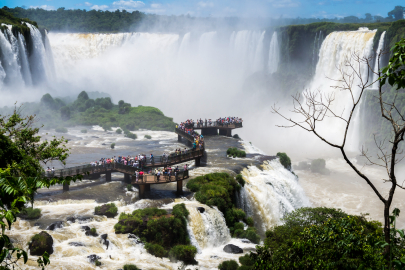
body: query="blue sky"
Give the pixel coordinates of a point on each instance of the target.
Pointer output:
(245, 8)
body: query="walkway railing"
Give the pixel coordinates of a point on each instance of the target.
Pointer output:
(163, 178)
(215, 124)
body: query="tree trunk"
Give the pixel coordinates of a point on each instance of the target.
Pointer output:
(387, 234)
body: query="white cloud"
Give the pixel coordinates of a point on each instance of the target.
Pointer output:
(127, 5)
(155, 5)
(97, 7)
(229, 10)
(87, 4)
(45, 7)
(205, 4)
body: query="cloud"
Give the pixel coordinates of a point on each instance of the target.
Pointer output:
(45, 7)
(155, 5)
(205, 4)
(87, 4)
(97, 7)
(127, 5)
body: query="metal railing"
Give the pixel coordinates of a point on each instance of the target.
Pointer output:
(215, 124)
(163, 178)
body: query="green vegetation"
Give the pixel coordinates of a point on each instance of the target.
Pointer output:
(30, 213)
(284, 160)
(218, 189)
(185, 253)
(150, 224)
(129, 187)
(18, 25)
(130, 267)
(228, 265)
(235, 152)
(323, 238)
(97, 263)
(83, 131)
(109, 210)
(61, 130)
(100, 111)
(319, 166)
(112, 145)
(118, 131)
(240, 180)
(148, 137)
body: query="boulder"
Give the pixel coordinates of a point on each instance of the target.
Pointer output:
(92, 232)
(104, 236)
(246, 241)
(40, 243)
(86, 228)
(108, 210)
(201, 209)
(71, 219)
(76, 244)
(55, 225)
(134, 238)
(232, 249)
(104, 240)
(83, 219)
(93, 258)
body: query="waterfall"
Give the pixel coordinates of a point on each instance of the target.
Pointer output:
(258, 60)
(49, 57)
(25, 65)
(378, 63)
(274, 54)
(336, 49)
(272, 192)
(9, 57)
(184, 45)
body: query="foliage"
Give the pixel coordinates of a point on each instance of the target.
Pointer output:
(249, 233)
(148, 137)
(249, 221)
(151, 225)
(235, 152)
(61, 130)
(112, 145)
(130, 267)
(118, 131)
(228, 265)
(93, 231)
(129, 187)
(83, 131)
(130, 135)
(109, 210)
(246, 260)
(284, 160)
(185, 253)
(307, 216)
(394, 72)
(240, 180)
(30, 213)
(97, 262)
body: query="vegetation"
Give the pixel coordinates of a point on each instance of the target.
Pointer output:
(150, 225)
(235, 152)
(83, 131)
(129, 187)
(218, 189)
(112, 145)
(240, 180)
(130, 267)
(61, 130)
(228, 265)
(284, 160)
(97, 262)
(18, 24)
(30, 213)
(148, 137)
(118, 131)
(109, 210)
(319, 166)
(99, 111)
(185, 253)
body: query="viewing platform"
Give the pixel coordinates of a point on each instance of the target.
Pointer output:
(213, 129)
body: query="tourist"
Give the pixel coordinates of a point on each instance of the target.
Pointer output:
(137, 176)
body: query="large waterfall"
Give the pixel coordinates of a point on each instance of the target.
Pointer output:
(274, 54)
(377, 60)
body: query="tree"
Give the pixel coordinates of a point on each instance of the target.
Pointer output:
(315, 107)
(369, 17)
(397, 13)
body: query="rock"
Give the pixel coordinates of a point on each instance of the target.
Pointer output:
(40, 243)
(108, 210)
(92, 232)
(71, 219)
(55, 225)
(236, 136)
(246, 241)
(232, 249)
(107, 243)
(76, 244)
(95, 137)
(104, 236)
(214, 257)
(103, 144)
(86, 228)
(135, 238)
(104, 240)
(201, 209)
(93, 258)
(83, 219)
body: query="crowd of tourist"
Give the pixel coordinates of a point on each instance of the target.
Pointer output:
(189, 124)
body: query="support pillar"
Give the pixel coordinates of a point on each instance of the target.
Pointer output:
(179, 138)
(141, 191)
(108, 176)
(198, 162)
(229, 133)
(179, 187)
(222, 132)
(147, 187)
(127, 178)
(65, 187)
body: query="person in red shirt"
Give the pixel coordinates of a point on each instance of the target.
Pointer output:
(141, 175)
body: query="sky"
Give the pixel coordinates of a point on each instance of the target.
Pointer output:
(226, 8)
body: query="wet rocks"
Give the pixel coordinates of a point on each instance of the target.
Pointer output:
(93, 258)
(92, 232)
(246, 241)
(40, 243)
(76, 244)
(201, 209)
(71, 219)
(109, 210)
(86, 228)
(104, 240)
(82, 219)
(55, 225)
(134, 238)
(230, 248)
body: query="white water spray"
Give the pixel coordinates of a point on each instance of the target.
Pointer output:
(274, 54)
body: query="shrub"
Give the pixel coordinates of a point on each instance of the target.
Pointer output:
(180, 211)
(148, 137)
(106, 127)
(93, 230)
(156, 250)
(129, 187)
(249, 221)
(131, 135)
(83, 131)
(130, 267)
(235, 152)
(185, 253)
(119, 131)
(112, 145)
(318, 166)
(284, 160)
(246, 260)
(109, 210)
(61, 130)
(240, 180)
(97, 263)
(228, 265)
(30, 213)
(249, 234)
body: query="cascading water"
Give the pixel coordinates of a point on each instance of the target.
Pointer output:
(258, 61)
(378, 61)
(25, 65)
(10, 58)
(336, 51)
(274, 54)
(272, 192)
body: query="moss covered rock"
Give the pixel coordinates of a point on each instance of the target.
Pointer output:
(41, 243)
(109, 210)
